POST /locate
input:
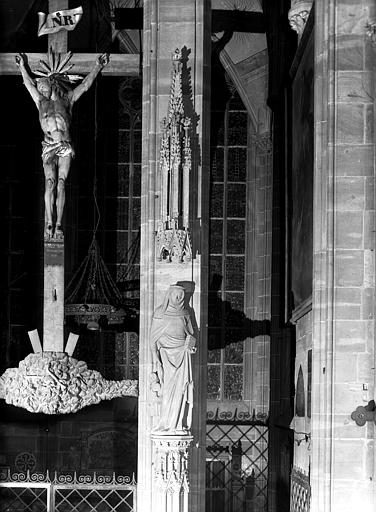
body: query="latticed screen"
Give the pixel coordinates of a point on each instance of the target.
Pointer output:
(227, 251)
(23, 499)
(93, 500)
(236, 467)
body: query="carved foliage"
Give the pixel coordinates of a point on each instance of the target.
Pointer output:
(298, 15)
(55, 383)
(171, 464)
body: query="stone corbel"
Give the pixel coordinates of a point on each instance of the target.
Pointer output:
(298, 15)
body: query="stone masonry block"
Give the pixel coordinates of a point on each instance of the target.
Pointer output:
(349, 230)
(349, 52)
(349, 268)
(350, 193)
(354, 87)
(350, 123)
(354, 160)
(350, 336)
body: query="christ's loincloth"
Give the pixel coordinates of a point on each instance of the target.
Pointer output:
(53, 150)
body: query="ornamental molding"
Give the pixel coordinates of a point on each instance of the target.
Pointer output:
(56, 383)
(237, 417)
(298, 15)
(56, 478)
(175, 163)
(170, 463)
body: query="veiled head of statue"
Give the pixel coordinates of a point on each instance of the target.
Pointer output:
(176, 296)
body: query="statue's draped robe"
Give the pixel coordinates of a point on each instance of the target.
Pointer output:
(169, 331)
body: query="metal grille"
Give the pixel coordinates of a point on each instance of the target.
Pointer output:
(23, 499)
(236, 463)
(300, 491)
(26, 492)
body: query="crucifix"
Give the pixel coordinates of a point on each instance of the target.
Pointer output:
(53, 305)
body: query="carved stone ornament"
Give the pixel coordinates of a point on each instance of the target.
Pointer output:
(263, 142)
(172, 343)
(371, 31)
(298, 15)
(175, 164)
(171, 463)
(362, 414)
(56, 383)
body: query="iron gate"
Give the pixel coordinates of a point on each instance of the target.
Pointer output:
(236, 462)
(37, 492)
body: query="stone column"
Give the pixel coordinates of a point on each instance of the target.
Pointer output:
(171, 25)
(342, 472)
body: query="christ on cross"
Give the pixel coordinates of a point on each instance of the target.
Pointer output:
(54, 96)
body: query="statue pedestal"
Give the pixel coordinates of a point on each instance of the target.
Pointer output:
(170, 472)
(53, 296)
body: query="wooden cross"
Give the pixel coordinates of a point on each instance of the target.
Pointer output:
(53, 302)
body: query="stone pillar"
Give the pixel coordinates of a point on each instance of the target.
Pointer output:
(258, 278)
(171, 25)
(343, 471)
(53, 296)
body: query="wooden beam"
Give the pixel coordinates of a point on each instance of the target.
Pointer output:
(222, 20)
(58, 41)
(119, 65)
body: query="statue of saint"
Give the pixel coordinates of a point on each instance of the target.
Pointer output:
(54, 96)
(172, 343)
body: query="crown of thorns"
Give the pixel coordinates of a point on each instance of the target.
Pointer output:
(56, 69)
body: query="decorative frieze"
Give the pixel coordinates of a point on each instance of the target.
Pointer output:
(55, 383)
(173, 242)
(298, 15)
(170, 465)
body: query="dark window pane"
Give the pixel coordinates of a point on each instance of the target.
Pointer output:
(234, 335)
(214, 382)
(236, 301)
(237, 164)
(123, 146)
(237, 129)
(217, 164)
(216, 236)
(123, 180)
(137, 180)
(217, 128)
(136, 213)
(236, 236)
(215, 273)
(236, 200)
(137, 146)
(214, 345)
(236, 103)
(233, 382)
(216, 201)
(234, 353)
(215, 310)
(234, 273)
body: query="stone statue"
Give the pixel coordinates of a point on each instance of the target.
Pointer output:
(54, 96)
(56, 383)
(172, 343)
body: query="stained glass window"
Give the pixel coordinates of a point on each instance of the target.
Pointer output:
(228, 192)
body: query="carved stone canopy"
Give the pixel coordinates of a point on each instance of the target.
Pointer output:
(56, 383)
